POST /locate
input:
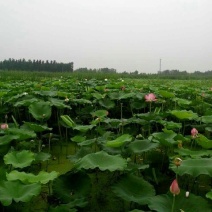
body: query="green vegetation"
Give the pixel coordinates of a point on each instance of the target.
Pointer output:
(104, 142)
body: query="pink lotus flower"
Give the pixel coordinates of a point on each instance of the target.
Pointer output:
(194, 133)
(150, 97)
(4, 126)
(174, 188)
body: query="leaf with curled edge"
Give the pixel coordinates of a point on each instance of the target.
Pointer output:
(102, 161)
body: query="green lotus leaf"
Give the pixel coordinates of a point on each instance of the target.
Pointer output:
(81, 101)
(194, 167)
(72, 186)
(22, 134)
(114, 95)
(19, 159)
(25, 102)
(83, 151)
(162, 203)
(126, 95)
(41, 110)
(36, 127)
(138, 105)
(184, 114)
(166, 94)
(15, 98)
(119, 141)
(100, 113)
(87, 142)
(78, 138)
(209, 129)
(140, 96)
(107, 103)
(204, 142)
(183, 102)
(42, 177)
(68, 121)
(140, 146)
(101, 160)
(42, 156)
(6, 139)
(206, 119)
(192, 153)
(134, 189)
(58, 103)
(148, 116)
(46, 93)
(17, 191)
(98, 95)
(170, 125)
(114, 123)
(209, 195)
(165, 138)
(83, 128)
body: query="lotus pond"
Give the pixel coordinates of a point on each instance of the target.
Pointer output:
(110, 145)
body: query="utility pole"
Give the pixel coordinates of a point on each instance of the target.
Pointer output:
(160, 65)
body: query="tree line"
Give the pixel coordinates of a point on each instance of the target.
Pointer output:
(36, 65)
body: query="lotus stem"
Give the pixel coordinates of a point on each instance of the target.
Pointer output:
(173, 203)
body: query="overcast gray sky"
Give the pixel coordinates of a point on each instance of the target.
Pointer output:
(127, 35)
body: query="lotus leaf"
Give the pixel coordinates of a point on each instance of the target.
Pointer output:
(37, 127)
(209, 195)
(140, 146)
(166, 94)
(194, 167)
(58, 103)
(83, 128)
(19, 159)
(87, 142)
(17, 191)
(165, 138)
(184, 114)
(82, 101)
(46, 93)
(183, 102)
(22, 134)
(42, 177)
(207, 119)
(204, 142)
(100, 113)
(107, 103)
(98, 95)
(41, 110)
(138, 104)
(101, 160)
(42, 156)
(134, 189)
(6, 139)
(192, 153)
(162, 203)
(71, 187)
(25, 102)
(78, 138)
(119, 141)
(170, 125)
(68, 121)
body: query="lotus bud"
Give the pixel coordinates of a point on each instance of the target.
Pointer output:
(174, 188)
(194, 133)
(4, 126)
